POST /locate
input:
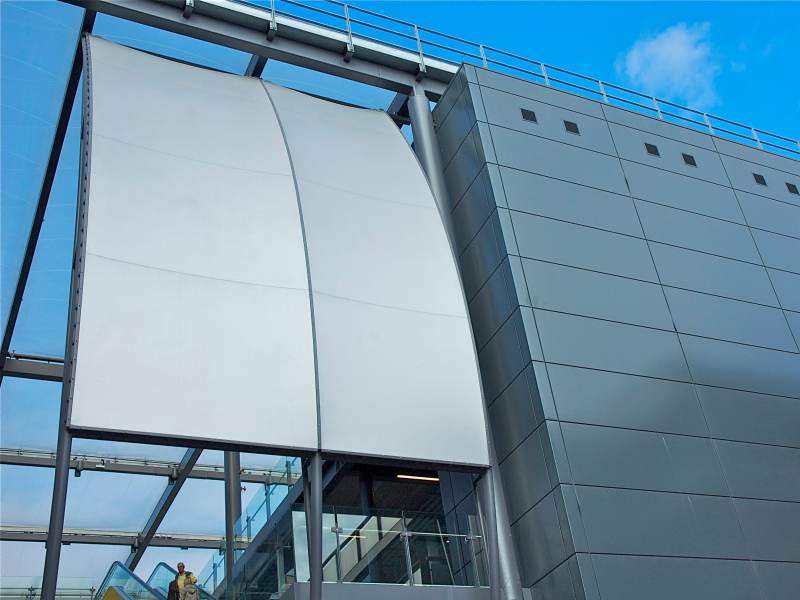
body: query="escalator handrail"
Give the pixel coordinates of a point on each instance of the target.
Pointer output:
(201, 591)
(149, 579)
(104, 587)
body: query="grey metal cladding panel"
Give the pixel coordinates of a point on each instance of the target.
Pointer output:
(491, 307)
(770, 528)
(779, 580)
(537, 536)
(659, 127)
(747, 368)
(759, 157)
(515, 414)
(583, 247)
(787, 286)
(448, 99)
(566, 201)
(713, 274)
(454, 129)
(630, 145)
(696, 232)
(607, 456)
(660, 524)
(741, 172)
(525, 477)
(585, 342)
(503, 109)
(470, 214)
(774, 216)
(663, 578)
(794, 322)
(462, 170)
(749, 417)
(601, 398)
(778, 251)
(731, 320)
(502, 359)
(758, 471)
(480, 259)
(679, 191)
(536, 91)
(590, 294)
(556, 584)
(554, 159)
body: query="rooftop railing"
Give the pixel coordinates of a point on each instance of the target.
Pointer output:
(362, 25)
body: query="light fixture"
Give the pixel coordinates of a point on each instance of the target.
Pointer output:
(418, 477)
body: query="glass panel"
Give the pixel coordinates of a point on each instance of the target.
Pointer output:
(39, 40)
(121, 584)
(160, 577)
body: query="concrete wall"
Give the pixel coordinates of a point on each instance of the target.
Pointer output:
(637, 321)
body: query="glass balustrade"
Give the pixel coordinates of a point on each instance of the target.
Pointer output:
(122, 584)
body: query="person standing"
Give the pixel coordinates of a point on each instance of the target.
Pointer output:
(184, 577)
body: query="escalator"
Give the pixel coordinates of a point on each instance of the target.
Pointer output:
(122, 584)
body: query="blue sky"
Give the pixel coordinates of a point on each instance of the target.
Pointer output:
(735, 60)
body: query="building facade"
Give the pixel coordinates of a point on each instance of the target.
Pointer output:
(632, 286)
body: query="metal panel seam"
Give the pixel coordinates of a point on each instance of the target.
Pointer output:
(308, 264)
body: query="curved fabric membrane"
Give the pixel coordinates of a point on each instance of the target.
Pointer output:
(216, 204)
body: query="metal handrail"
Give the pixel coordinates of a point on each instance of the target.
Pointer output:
(484, 54)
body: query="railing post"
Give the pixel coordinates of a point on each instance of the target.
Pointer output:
(603, 91)
(483, 57)
(710, 129)
(544, 72)
(421, 73)
(658, 110)
(233, 510)
(405, 535)
(758, 141)
(350, 49)
(273, 25)
(337, 530)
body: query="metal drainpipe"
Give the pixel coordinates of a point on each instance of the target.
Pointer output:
(233, 510)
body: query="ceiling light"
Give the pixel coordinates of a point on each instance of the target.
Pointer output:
(418, 477)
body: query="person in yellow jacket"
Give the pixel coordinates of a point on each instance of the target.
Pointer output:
(184, 577)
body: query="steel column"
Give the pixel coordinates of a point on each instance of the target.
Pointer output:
(162, 507)
(57, 508)
(430, 158)
(233, 510)
(314, 527)
(490, 532)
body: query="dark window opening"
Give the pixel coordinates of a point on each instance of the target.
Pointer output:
(652, 149)
(571, 127)
(759, 179)
(528, 115)
(689, 160)
(792, 189)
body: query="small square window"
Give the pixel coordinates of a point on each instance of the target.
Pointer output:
(792, 189)
(689, 160)
(652, 149)
(528, 115)
(571, 127)
(759, 179)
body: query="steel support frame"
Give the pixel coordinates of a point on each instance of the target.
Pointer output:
(44, 193)
(314, 526)
(233, 509)
(31, 369)
(108, 539)
(162, 506)
(253, 41)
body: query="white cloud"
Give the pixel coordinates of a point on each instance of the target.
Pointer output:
(677, 64)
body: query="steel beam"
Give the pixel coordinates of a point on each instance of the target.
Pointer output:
(256, 66)
(241, 27)
(314, 527)
(111, 539)
(44, 193)
(32, 369)
(160, 511)
(139, 466)
(233, 509)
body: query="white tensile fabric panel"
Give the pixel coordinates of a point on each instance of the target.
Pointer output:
(397, 369)
(195, 318)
